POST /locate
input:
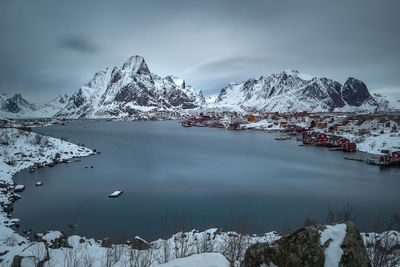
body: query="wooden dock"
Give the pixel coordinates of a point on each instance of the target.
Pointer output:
(353, 158)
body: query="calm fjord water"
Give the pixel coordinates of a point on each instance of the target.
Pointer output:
(203, 174)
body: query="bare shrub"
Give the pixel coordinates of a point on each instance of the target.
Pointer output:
(141, 258)
(183, 245)
(10, 241)
(71, 257)
(309, 222)
(4, 138)
(395, 225)
(45, 140)
(165, 243)
(205, 244)
(235, 243)
(182, 241)
(87, 259)
(38, 139)
(9, 159)
(40, 253)
(384, 250)
(346, 213)
(113, 255)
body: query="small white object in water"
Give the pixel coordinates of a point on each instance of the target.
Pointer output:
(115, 194)
(39, 183)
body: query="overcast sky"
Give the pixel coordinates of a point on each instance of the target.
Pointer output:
(52, 47)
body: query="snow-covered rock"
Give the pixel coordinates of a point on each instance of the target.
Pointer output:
(315, 245)
(123, 91)
(292, 91)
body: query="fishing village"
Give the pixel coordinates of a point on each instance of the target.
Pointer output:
(376, 134)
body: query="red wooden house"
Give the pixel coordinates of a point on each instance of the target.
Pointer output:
(396, 156)
(349, 147)
(322, 139)
(385, 159)
(337, 141)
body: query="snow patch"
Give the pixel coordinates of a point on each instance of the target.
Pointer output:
(336, 234)
(199, 260)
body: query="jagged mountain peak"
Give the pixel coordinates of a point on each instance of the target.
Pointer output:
(136, 64)
(17, 99)
(356, 93)
(291, 73)
(176, 80)
(123, 91)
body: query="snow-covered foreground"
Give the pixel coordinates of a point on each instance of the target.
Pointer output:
(213, 247)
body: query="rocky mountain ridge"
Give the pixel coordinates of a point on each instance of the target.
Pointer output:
(291, 91)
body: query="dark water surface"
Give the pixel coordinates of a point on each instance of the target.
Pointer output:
(202, 174)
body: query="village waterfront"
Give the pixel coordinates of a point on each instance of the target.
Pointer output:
(203, 177)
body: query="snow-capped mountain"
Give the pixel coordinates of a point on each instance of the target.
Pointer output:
(17, 107)
(387, 103)
(123, 91)
(50, 108)
(292, 91)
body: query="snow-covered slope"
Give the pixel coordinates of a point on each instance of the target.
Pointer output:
(17, 107)
(387, 103)
(211, 99)
(50, 108)
(292, 91)
(125, 90)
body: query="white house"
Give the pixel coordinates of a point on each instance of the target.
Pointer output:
(365, 126)
(386, 125)
(348, 126)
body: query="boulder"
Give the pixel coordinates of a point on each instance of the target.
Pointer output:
(106, 243)
(59, 242)
(19, 188)
(305, 247)
(139, 244)
(3, 184)
(16, 261)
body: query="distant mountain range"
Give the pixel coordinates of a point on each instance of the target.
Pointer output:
(131, 89)
(16, 106)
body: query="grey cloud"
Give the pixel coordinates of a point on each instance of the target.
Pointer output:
(49, 47)
(79, 44)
